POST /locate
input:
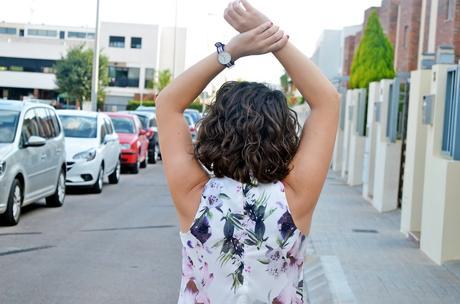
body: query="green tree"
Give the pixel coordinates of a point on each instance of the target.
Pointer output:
(164, 78)
(74, 72)
(284, 81)
(373, 60)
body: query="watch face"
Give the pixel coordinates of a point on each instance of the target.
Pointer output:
(225, 58)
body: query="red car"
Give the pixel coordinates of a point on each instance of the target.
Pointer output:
(133, 140)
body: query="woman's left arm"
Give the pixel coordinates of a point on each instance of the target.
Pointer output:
(183, 172)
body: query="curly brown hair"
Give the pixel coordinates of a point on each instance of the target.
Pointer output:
(249, 133)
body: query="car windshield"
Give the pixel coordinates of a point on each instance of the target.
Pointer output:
(8, 124)
(145, 121)
(79, 126)
(146, 109)
(123, 125)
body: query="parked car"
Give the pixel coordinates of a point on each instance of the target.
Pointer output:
(196, 115)
(149, 124)
(191, 125)
(32, 158)
(133, 140)
(146, 109)
(93, 151)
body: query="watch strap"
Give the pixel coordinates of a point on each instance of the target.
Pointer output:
(221, 48)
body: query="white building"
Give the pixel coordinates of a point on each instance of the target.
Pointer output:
(327, 53)
(172, 49)
(28, 53)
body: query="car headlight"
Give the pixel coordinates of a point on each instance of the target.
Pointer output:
(87, 155)
(2, 168)
(126, 146)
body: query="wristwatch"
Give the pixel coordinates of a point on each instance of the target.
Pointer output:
(224, 57)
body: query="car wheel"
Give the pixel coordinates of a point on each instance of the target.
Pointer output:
(114, 178)
(57, 199)
(13, 208)
(153, 155)
(97, 187)
(135, 168)
(157, 150)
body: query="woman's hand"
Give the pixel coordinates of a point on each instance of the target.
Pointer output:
(263, 39)
(243, 18)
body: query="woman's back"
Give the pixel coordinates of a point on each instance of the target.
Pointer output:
(243, 247)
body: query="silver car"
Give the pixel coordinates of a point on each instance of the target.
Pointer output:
(32, 158)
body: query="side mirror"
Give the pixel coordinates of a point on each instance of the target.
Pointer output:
(142, 132)
(106, 139)
(35, 141)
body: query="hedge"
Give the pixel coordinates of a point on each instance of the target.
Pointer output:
(134, 104)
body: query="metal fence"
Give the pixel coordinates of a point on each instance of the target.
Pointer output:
(451, 131)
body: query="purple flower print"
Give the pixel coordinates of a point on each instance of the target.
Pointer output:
(201, 229)
(286, 225)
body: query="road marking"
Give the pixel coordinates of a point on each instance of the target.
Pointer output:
(15, 251)
(20, 233)
(129, 228)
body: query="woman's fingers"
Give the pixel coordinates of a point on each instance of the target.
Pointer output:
(279, 44)
(263, 27)
(237, 8)
(247, 5)
(273, 38)
(270, 32)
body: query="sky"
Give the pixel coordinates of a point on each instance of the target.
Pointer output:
(303, 20)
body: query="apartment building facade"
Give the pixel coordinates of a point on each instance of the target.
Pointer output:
(29, 52)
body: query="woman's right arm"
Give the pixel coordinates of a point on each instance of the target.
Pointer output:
(311, 162)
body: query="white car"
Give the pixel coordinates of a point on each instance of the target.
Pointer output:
(93, 150)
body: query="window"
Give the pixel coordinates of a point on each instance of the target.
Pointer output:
(55, 122)
(450, 10)
(136, 42)
(117, 41)
(8, 30)
(45, 124)
(103, 132)
(78, 35)
(124, 125)
(8, 124)
(123, 77)
(406, 32)
(21, 32)
(108, 126)
(42, 33)
(79, 126)
(451, 131)
(61, 35)
(149, 78)
(29, 126)
(27, 65)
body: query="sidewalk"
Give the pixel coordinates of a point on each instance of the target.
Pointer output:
(358, 255)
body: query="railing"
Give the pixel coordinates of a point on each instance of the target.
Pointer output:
(362, 113)
(397, 115)
(451, 131)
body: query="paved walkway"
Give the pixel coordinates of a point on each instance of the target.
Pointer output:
(363, 258)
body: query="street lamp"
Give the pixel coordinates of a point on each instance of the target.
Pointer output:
(95, 75)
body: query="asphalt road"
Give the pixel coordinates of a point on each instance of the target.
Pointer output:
(121, 246)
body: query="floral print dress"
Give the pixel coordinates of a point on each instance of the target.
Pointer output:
(243, 247)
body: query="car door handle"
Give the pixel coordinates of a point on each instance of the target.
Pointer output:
(58, 151)
(43, 156)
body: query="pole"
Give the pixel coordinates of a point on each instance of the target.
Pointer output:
(175, 41)
(95, 76)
